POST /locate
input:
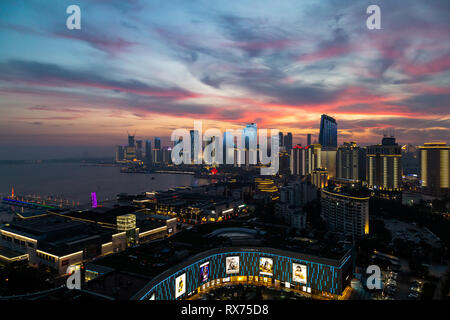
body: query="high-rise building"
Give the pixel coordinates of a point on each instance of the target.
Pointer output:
(281, 139)
(139, 149)
(298, 161)
(434, 168)
(328, 160)
(250, 135)
(166, 154)
(384, 167)
(345, 212)
(119, 153)
(313, 157)
(194, 134)
(130, 140)
(288, 142)
(328, 131)
(347, 161)
(284, 162)
(148, 151)
(308, 139)
(157, 143)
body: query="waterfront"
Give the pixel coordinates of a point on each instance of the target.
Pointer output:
(75, 181)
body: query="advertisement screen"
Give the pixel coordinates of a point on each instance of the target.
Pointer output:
(266, 266)
(204, 272)
(232, 264)
(180, 285)
(299, 273)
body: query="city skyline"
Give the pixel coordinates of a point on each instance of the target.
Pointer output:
(136, 66)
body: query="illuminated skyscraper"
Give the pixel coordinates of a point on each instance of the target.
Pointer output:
(347, 161)
(434, 168)
(328, 160)
(328, 131)
(384, 167)
(313, 157)
(298, 160)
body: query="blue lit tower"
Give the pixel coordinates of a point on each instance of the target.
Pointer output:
(328, 132)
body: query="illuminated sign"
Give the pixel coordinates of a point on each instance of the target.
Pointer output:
(204, 272)
(180, 285)
(232, 264)
(299, 273)
(266, 266)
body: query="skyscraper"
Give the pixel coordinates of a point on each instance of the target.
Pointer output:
(328, 132)
(157, 143)
(313, 157)
(130, 140)
(195, 140)
(384, 167)
(308, 139)
(298, 161)
(119, 153)
(434, 168)
(148, 151)
(281, 139)
(288, 142)
(347, 161)
(139, 149)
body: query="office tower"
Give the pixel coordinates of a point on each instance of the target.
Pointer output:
(148, 151)
(196, 140)
(345, 212)
(384, 168)
(328, 160)
(328, 131)
(166, 154)
(347, 161)
(250, 135)
(280, 138)
(157, 143)
(308, 139)
(288, 142)
(319, 178)
(313, 157)
(130, 140)
(284, 162)
(434, 168)
(298, 160)
(119, 153)
(227, 136)
(139, 149)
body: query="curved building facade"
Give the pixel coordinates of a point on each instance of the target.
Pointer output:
(266, 266)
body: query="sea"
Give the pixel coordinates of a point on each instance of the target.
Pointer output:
(76, 181)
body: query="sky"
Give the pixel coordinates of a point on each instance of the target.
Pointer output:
(154, 66)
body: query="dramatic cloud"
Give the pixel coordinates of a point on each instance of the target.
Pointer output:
(153, 67)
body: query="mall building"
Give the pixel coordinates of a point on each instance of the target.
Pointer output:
(309, 274)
